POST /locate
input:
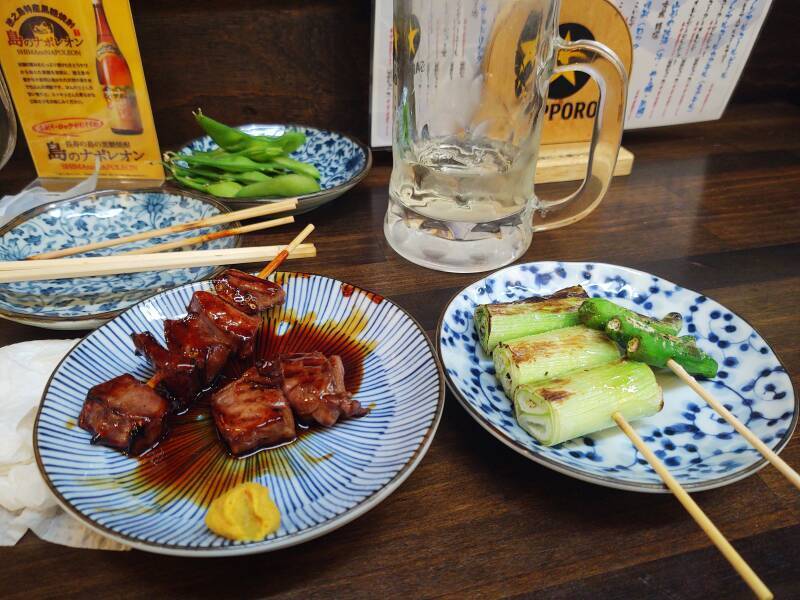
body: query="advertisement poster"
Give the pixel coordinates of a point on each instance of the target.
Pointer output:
(76, 78)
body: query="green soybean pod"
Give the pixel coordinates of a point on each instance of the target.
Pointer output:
(223, 189)
(297, 166)
(229, 138)
(280, 185)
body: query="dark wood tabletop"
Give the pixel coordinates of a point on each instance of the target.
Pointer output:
(713, 207)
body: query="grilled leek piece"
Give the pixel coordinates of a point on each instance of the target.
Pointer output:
(497, 323)
(551, 354)
(582, 402)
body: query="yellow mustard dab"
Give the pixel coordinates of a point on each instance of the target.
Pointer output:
(244, 513)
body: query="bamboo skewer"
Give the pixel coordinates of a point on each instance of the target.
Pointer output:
(237, 215)
(766, 452)
(214, 235)
(117, 264)
(714, 534)
(283, 254)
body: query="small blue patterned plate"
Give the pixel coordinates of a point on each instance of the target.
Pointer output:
(341, 160)
(701, 450)
(322, 480)
(88, 302)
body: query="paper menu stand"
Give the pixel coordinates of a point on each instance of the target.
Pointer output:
(75, 74)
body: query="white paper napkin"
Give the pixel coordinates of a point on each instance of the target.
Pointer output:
(25, 500)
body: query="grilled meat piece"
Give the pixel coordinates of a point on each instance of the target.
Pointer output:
(178, 374)
(314, 386)
(238, 328)
(126, 414)
(198, 339)
(248, 293)
(252, 412)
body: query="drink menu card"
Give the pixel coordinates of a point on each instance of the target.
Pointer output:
(75, 74)
(687, 56)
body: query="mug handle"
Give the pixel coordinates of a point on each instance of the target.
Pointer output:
(602, 65)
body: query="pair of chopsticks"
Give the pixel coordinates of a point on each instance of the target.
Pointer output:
(52, 265)
(714, 534)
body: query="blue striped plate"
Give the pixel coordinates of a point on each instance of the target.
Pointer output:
(324, 479)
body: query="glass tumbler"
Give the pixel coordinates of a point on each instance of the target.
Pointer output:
(470, 86)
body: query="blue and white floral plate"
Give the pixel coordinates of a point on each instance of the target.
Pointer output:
(88, 302)
(324, 479)
(701, 450)
(342, 161)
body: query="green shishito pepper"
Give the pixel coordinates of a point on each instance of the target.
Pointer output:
(281, 185)
(597, 312)
(644, 343)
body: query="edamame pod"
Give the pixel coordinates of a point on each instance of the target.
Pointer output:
(223, 189)
(229, 138)
(280, 185)
(297, 166)
(261, 152)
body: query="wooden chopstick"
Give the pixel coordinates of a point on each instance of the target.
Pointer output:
(214, 235)
(714, 534)
(283, 254)
(117, 264)
(766, 452)
(237, 215)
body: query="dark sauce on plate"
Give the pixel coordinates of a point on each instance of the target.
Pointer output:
(193, 463)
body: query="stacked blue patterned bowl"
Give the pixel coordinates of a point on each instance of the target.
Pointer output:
(87, 302)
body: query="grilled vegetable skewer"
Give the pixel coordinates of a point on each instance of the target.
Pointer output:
(583, 402)
(551, 354)
(644, 344)
(497, 323)
(597, 312)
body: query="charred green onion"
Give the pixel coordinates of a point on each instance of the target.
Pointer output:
(551, 354)
(582, 402)
(497, 323)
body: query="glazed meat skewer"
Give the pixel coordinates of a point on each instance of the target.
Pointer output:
(218, 326)
(132, 416)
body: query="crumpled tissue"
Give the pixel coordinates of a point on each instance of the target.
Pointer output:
(25, 500)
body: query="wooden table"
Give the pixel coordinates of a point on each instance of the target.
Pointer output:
(713, 207)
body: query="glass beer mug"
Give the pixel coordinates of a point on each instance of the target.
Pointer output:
(470, 86)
